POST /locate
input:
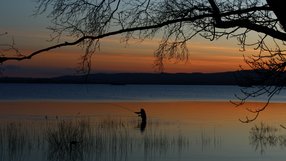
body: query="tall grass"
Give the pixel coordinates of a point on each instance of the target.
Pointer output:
(68, 140)
(17, 139)
(82, 138)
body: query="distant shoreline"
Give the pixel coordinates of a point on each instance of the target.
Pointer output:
(240, 78)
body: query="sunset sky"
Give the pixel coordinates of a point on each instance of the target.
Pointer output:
(30, 34)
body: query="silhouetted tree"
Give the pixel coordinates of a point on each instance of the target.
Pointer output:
(177, 22)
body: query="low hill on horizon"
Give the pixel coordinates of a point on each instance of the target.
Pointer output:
(221, 78)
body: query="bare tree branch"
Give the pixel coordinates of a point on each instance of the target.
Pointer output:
(186, 20)
(177, 22)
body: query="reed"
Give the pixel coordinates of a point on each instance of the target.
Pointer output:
(83, 138)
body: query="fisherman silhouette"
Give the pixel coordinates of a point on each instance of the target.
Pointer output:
(143, 116)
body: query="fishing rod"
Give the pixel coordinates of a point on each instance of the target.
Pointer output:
(123, 107)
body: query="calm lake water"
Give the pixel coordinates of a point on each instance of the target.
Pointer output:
(97, 122)
(89, 92)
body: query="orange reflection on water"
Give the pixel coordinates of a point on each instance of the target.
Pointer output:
(173, 110)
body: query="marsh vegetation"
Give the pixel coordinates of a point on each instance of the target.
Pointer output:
(264, 137)
(86, 138)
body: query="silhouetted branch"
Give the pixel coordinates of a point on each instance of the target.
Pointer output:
(9, 47)
(270, 76)
(178, 21)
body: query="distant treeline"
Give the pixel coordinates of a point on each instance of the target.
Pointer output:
(242, 78)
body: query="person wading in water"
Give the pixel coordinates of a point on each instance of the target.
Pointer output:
(143, 116)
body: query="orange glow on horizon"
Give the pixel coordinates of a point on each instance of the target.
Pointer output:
(138, 57)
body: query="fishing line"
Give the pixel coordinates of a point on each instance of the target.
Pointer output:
(123, 107)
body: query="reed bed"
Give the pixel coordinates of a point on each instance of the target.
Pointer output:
(83, 138)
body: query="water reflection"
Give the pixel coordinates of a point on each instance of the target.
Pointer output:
(210, 140)
(143, 126)
(68, 140)
(85, 139)
(263, 137)
(16, 141)
(174, 131)
(115, 139)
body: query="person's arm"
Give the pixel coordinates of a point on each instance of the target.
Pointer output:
(138, 113)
